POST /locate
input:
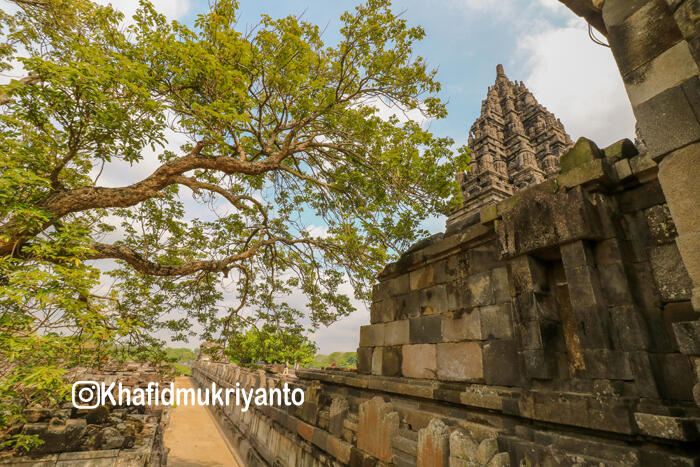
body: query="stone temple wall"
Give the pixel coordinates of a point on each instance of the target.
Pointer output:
(541, 334)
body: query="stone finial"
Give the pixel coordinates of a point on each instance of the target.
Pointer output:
(433, 445)
(377, 425)
(499, 70)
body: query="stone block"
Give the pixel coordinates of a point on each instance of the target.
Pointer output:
(433, 300)
(631, 330)
(463, 326)
(671, 277)
(528, 274)
(661, 426)
(422, 278)
(688, 336)
(643, 167)
(538, 365)
(500, 284)
(433, 445)
(391, 287)
(338, 412)
(614, 284)
(643, 197)
(397, 332)
(391, 361)
(662, 229)
(419, 361)
(607, 364)
(677, 376)
(482, 258)
(645, 380)
(687, 18)
(622, 149)
(576, 254)
(669, 109)
(616, 12)
(458, 295)
(480, 289)
(584, 288)
(364, 360)
(371, 335)
(501, 363)
(425, 330)
(642, 36)
(584, 151)
(384, 310)
(496, 321)
(623, 169)
(671, 68)
(409, 305)
(377, 426)
(463, 446)
(486, 450)
(461, 361)
(377, 360)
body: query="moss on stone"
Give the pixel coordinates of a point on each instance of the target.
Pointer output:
(583, 151)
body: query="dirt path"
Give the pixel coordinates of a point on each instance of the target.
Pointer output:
(194, 437)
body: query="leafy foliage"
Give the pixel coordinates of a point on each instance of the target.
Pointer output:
(283, 136)
(341, 359)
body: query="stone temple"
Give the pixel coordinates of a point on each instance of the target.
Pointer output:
(556, 322)
(516, 142)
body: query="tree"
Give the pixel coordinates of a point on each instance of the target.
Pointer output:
(283, 134)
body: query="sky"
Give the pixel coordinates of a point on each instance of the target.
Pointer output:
(539, 42)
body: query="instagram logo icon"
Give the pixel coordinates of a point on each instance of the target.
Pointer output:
(85, 394)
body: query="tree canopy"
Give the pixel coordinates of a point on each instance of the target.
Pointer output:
(289, 181)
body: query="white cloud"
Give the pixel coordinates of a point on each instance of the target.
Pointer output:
(579, 82)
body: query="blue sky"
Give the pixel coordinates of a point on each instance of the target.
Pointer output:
(539, 42)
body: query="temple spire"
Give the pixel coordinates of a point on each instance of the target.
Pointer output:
(515, 143)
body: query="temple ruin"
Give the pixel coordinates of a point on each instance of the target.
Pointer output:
(550, 325)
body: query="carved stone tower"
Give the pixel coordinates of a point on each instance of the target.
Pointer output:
(516, 142)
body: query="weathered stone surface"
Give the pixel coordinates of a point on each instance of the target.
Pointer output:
(501, 363)
(422, 278)
(338, 412)
(669, 273)
(364, 360)
(666, 427)
(661, 227)
(463, 446)
(372, 335)
(672, 67)
(419, 361)
(391, 361)
(480, 289)
(582, 152)
(460, 361)
(486, 450)
(642, 36)
(377, 360)
(496, 321)
(426, 329)
(433, 445)
(622, 149)
(669, 109)
(688, 336)
(462, 326)
(377, 425)
(397, 332)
